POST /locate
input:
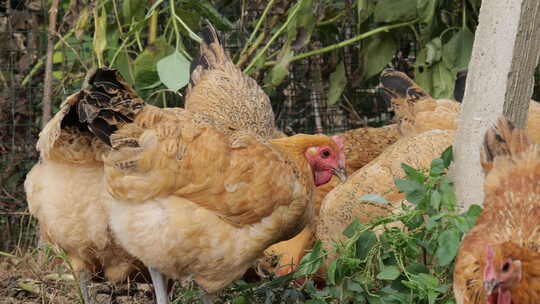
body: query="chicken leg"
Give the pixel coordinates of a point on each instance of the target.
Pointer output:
(159, 286)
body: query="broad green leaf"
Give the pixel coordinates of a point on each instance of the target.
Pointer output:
(124, 64)
(389, 273)
(417, 268)
(173, 71)
(448, 244)
(426, 13)
(352, 228)
(424, 78)
(281, 69)
(331, 272)
(58, 57)
(240, 300)
(377, 53)
(435, 199)
(437, 167)
(338, 81)
(456, 53)
(365, 242)
(443, 81)
(207, 10)
(447, 156)
(394, 11)
(190, 18)
(133, 9)
(311, 262)
(374, 198)
(414, 190)
(146, 63)
(413, 174)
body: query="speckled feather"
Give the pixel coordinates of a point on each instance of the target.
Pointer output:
(221, 91)
(509, 221)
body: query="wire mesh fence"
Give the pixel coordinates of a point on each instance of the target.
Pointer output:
(300, 102)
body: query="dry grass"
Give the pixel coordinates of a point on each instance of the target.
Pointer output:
(43, 276)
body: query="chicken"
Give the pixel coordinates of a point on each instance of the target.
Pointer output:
(419, 112)
(344, 203)
(65, 190)
(195, 198)
(499, 261)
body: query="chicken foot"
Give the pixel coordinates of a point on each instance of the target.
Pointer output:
(160, 289)
(84, 282)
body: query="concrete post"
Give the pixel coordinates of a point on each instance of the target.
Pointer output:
(500, 78)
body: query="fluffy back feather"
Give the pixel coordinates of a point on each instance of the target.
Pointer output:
(221, 91)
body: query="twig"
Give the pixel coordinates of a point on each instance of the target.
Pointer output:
(257, 26)
(346, 42)
(278, 32)
(47, 90)
(40, 62)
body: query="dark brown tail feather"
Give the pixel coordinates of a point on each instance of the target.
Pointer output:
(108, 103)
(503, 139)
(396, 84)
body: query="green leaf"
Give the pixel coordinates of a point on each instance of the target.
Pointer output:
(240, 300)
(413, 174)
(281, 69)
(311, 262)
(338, 81)
(443, 81)
(414, 190)
(417, 268)
(352, 228)
(374, 198)
(437, 167)
(146, 63)
(365, 242)
(331, 272)
(388, 11)
(389, 273)
(447, 156)
(133, 9)
(435, 199)
(305, 24)
(424, 78)
(206, 9)
(173, 71)
(448, 244)
(456, 53)
(364, 9)
(377, 53)
(426, 13)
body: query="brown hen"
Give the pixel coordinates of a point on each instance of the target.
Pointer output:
(418, 112)
(499, 260)
(188, 191)
(65, 192)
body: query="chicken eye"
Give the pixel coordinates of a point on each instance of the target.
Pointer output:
(506, 267)
(325, 154)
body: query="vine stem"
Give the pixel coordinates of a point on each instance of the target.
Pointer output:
(274, 37)
(47, 86)
(257, 26)
(346, 42)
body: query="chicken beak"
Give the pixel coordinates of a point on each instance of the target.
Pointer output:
(490, 286)
(340, 173)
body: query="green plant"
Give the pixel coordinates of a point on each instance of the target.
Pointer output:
(412, 260)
